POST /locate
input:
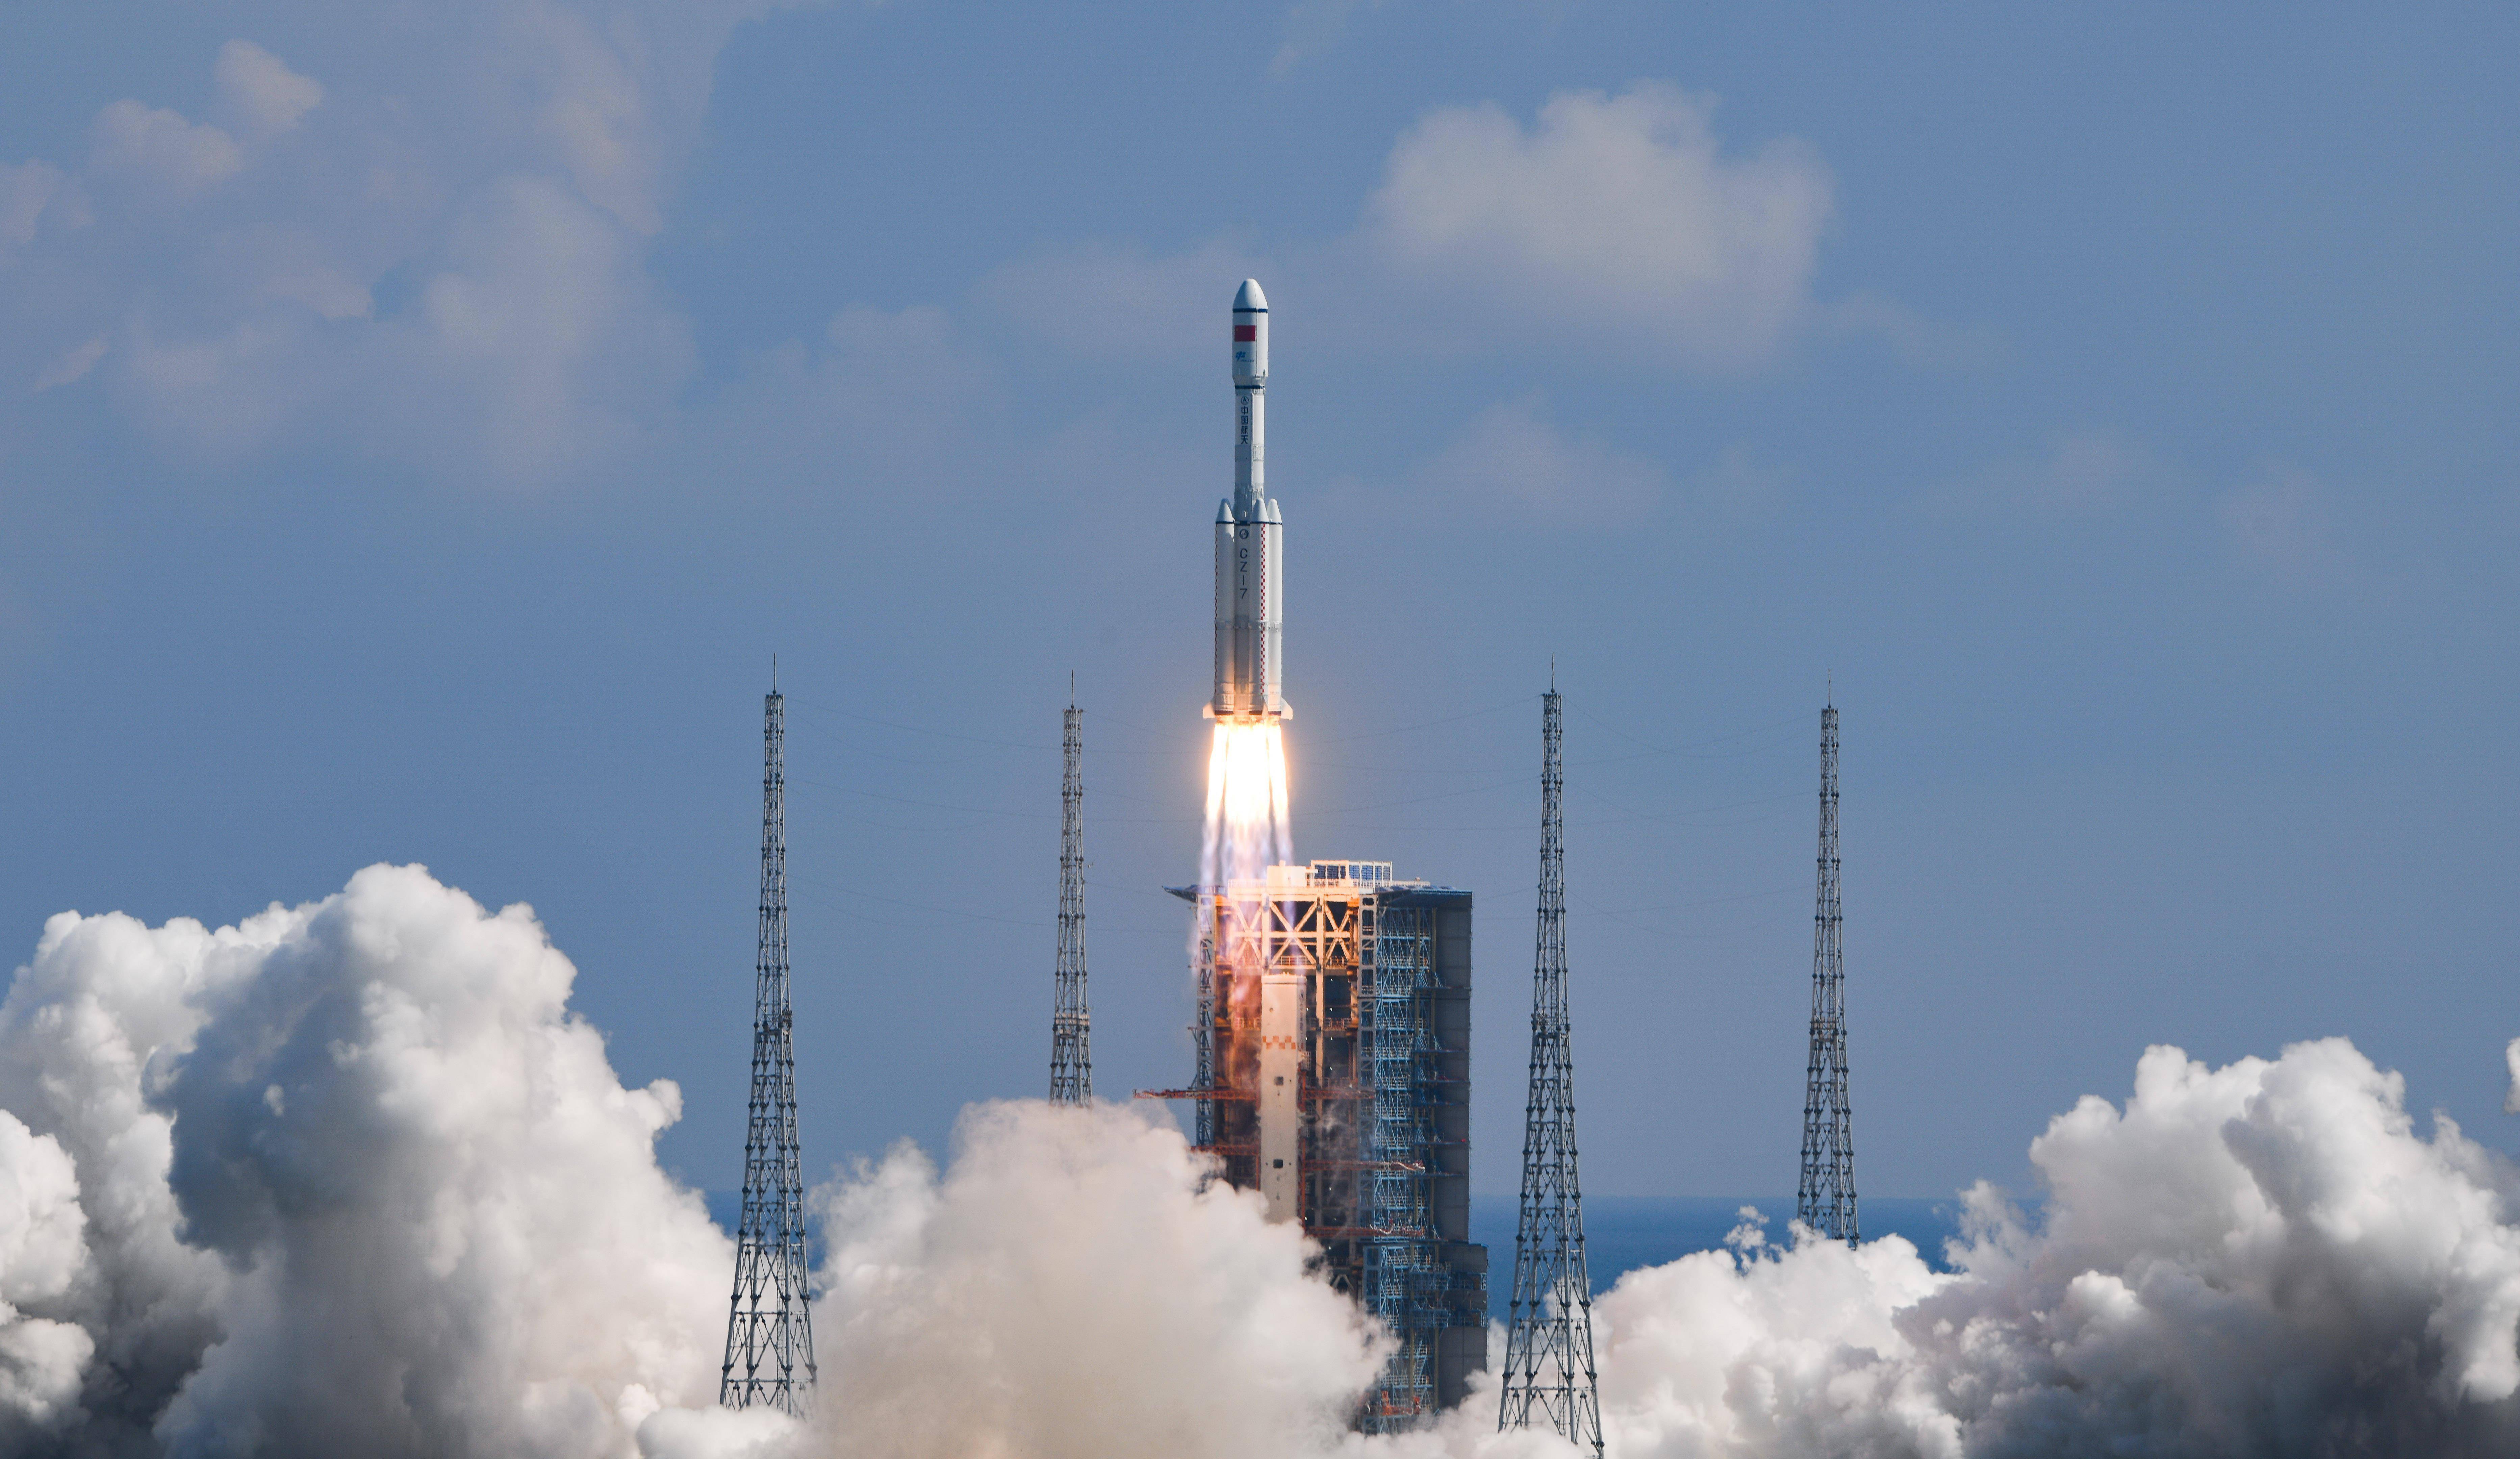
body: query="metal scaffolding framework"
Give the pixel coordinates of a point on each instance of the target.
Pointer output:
(1072, 1052)
(1383, 1159)
(769, 1328)
(1204, 1121)
(1826, 1198)
(1404, 1282)
(1549, 1377)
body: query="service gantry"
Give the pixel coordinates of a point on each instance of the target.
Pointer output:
(1333, 1076)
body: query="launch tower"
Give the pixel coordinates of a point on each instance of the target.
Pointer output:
(1333, 1044)
(1826, 1198)
(1071, 1055)
(770, 1324)
(1549, 1377)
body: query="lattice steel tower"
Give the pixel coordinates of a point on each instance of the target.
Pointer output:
(1825, 1199)
(1548, 1345)
(769, 1326)
(1071, 1053)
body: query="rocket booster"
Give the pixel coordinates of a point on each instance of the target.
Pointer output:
(1250, 541)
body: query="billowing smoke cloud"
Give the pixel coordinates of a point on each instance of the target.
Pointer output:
(350, 1178)
(347, 1178)
(2263, 1258)
(1072, 1287)
(40, 1249)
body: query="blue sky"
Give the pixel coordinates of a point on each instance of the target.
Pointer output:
(418, 426)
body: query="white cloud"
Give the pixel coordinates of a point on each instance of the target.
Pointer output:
(453, 274)
(534, 329)
(898, 399)
(1313, 27)
(2083, 472)
(1511, 456)
(2089, 471)
(160, 145)
(1512, 459)
(216, 395)
(1613, 225)
(1917, 337)
(73, 364)
(324, 288)
(1612, 214)
(26, 189)
(2277, 523)
(262, 92)
(444, 270)
(599, 117)
(547, 329)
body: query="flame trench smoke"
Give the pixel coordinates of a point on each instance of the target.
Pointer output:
(351, 1178)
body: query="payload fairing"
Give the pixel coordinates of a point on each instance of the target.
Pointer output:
(1250, 541)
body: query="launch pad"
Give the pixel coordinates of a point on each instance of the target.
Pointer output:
(1332, 1037)
(1332, 1045)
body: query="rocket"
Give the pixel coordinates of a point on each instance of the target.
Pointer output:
(1250, 542)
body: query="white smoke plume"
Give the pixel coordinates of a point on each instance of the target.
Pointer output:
(1072, 1286)
(350, 1178)
(2263, 1258)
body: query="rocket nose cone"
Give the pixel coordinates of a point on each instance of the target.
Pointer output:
(1249, 298)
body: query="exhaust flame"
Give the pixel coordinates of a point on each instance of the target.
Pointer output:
(1247, 804)
(1247, 833)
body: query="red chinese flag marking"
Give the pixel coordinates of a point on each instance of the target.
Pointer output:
(1246, 333)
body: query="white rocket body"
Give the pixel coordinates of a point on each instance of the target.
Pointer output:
(1250, 541)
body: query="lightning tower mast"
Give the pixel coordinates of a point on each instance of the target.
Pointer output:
(1071, 1055)
(769, 1327)
(1825, 1199)
(1548, 1374)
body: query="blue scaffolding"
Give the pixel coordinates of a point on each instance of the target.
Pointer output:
(1384, 1161)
